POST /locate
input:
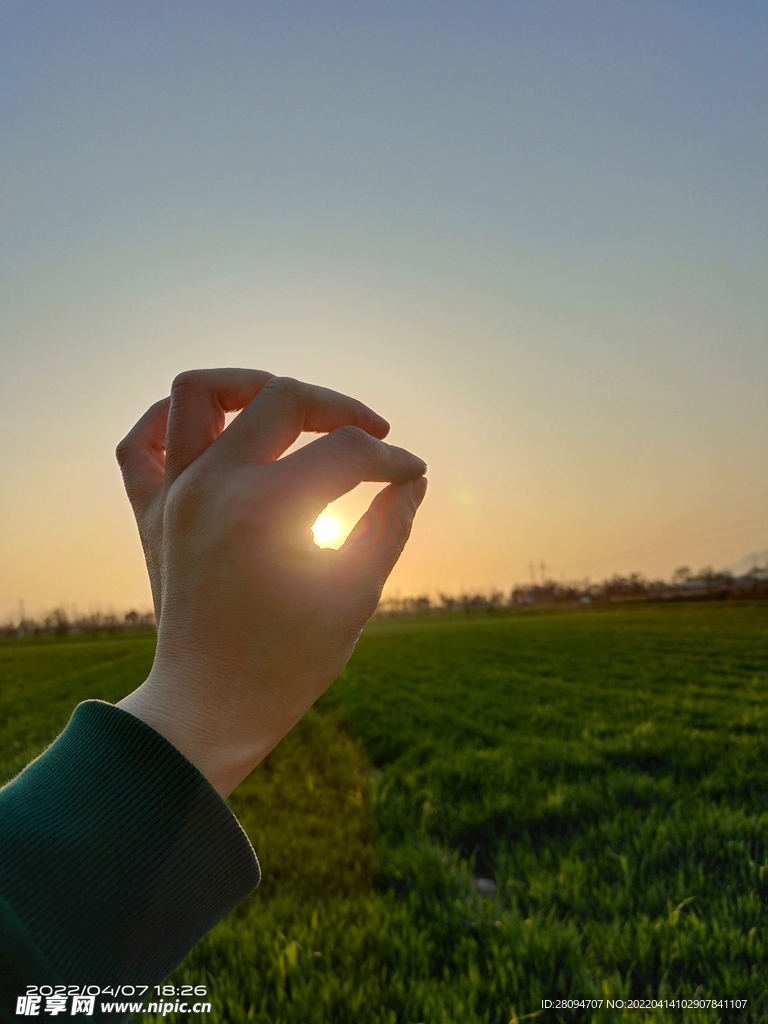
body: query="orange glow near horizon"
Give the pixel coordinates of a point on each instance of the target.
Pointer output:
(495, 229)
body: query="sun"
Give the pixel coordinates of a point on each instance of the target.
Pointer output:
(326, 529)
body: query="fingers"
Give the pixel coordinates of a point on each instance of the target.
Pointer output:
(369, 554)
(334, 464)
(199, 400)
(284, 409)
(141, 456)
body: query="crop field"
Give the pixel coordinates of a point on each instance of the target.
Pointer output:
(606, 769)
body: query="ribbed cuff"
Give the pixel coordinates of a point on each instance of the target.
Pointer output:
(116, 853)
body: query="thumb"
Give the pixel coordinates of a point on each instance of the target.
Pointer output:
(370, 552)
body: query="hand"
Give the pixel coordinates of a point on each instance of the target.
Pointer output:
(255, 621)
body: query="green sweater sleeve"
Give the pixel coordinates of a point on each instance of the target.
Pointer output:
(116, 857)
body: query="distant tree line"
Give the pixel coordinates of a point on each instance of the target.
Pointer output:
(59, 623)
(706, 585)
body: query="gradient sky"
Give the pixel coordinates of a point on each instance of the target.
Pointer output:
(530, 234)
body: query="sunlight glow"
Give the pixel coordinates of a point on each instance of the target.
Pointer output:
(326, 529)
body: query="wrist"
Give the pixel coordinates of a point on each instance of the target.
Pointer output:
(197, 732)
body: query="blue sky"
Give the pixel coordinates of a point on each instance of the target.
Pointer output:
(533, 235)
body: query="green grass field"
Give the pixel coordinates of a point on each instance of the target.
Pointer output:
(607, 768)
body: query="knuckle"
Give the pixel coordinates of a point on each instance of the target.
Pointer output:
(123, 452)
(187, 497)
(355, 438)
(285, 387)
(188, 382)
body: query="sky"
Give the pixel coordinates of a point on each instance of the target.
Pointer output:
(532, 235)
